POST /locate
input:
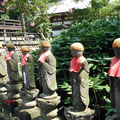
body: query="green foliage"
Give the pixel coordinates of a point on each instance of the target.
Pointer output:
(35, 11)
(111, 9)
(67, 88)
(97, 37)
(96, 84)
(98, 3)
(98, 9)
(4, 16)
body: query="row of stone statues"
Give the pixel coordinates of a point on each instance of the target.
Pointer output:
(79, 73)
(48, 100)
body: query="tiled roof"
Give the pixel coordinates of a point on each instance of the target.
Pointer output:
(66, 5)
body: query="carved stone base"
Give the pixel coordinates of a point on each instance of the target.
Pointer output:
(28, 97)
(71, 115)
(3, 81)
(27, 104)
(13, 91)
(29, 94)
(3, 96)
(18, 102)
(14, 88)
(13, 96)
(48, 106)
(29, 114)
(51, 114)
(49, 103)
(3, 93)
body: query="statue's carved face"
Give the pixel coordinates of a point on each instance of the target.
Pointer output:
(11, 49)
(117, 52)
(76, 53)
(23, 52)
(45, 49)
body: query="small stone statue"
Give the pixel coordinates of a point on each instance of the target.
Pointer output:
(3, 70)
(79, 75)
(13, 85)
(48, 100)
(28, 68)
(3, 75)
(114, 76)
(12, 64)
(47, 70)
(29, 92)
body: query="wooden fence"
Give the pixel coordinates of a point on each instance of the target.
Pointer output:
(18, 36)
(12, 30)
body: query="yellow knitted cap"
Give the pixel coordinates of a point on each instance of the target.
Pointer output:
(77, 46)
(116, 43)
(25, 48)
(10, 45)
(45, 44)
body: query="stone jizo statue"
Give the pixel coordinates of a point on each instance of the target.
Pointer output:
(114, 76)
(47, 70)
(3, 75)
(79, 75)
(48, 100)
(12, 64)
(27, 68)
(3, 70)
(29, 92)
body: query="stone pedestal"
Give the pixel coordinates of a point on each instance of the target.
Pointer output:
(29, 114)
(3, 93)
(48, 105)
(3, 90)
(71, 115)
(28, 109)
(13, 91)
(12, 95)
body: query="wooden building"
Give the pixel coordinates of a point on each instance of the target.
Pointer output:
(60, 19)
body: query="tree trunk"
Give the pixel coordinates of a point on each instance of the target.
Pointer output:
(23, 25)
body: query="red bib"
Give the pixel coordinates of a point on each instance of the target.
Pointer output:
(43, 56)
(9, 55)
(76, 64)
(114, 67)
(24, 59)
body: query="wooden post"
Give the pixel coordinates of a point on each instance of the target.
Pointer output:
(10, 36)
(4, 31)
(23, 25)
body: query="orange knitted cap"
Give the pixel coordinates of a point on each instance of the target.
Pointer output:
(45, 44)
(77, 46)
(1, 45)
(25, 48)
(10, 45)
(116, 43)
